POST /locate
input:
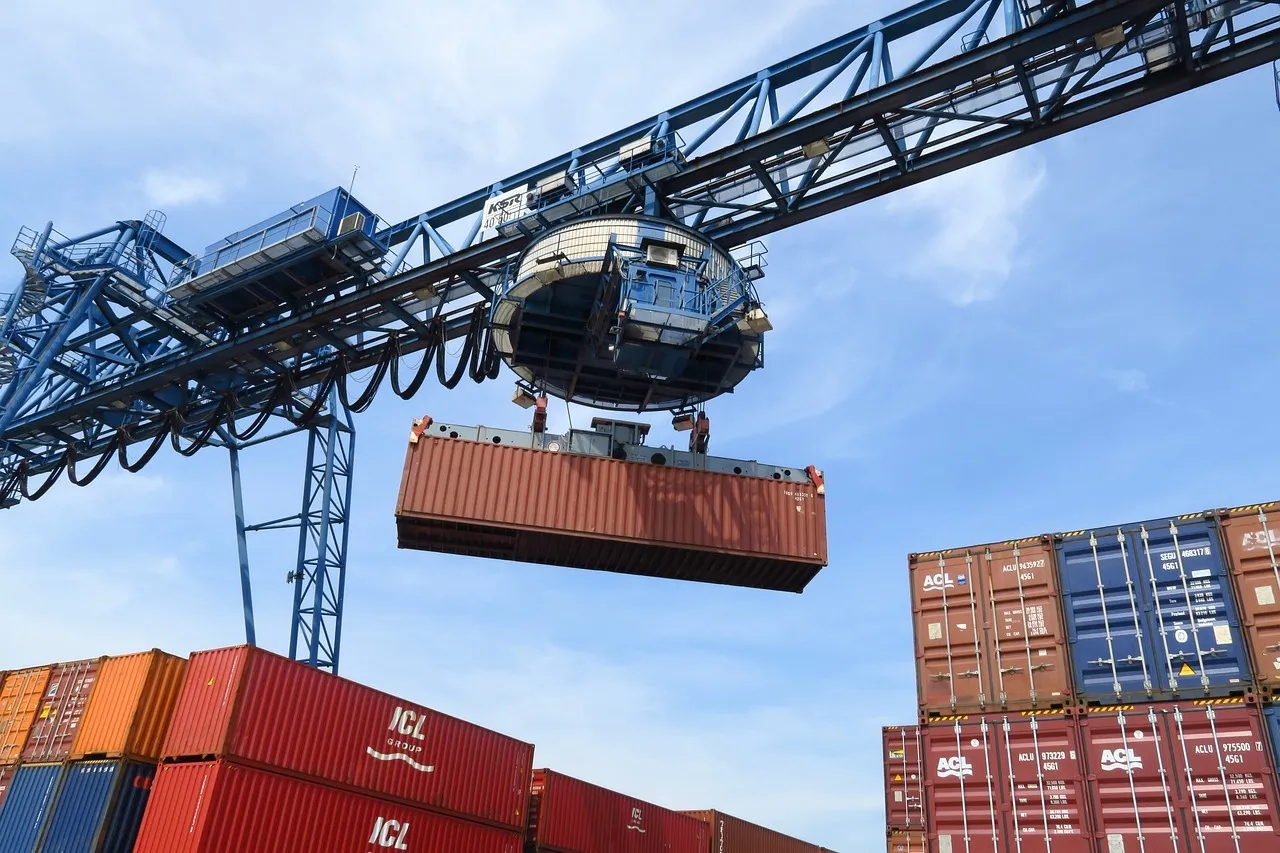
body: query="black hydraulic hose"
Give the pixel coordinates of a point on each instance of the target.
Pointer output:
(375, 381)
(48, 484)
(434, 348)
(98, 467)
(151, 451)
(202, 439)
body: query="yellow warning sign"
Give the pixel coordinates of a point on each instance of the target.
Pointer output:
(897, 777)
(1186, 670)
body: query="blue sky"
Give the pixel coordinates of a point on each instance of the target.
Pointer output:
(1082, 333)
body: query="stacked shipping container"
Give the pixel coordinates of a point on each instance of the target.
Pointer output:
(1103, 689)
(87, 736)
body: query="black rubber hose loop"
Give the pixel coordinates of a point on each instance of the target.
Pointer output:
(48, 484)
(98, 467)
(152, 449)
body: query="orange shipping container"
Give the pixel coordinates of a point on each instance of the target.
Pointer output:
(462, 495)
(730, 834)
(1251, 536)
(19, 700)
(129, 712)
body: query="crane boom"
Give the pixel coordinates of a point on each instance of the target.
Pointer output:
(118, 341)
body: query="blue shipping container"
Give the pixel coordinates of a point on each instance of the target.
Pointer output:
(1271, 715)
(26, 807)
(1150, 612)
(99, 808)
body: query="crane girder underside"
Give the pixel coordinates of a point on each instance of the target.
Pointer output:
(888, 123)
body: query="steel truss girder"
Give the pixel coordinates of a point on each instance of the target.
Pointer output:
(836, 125)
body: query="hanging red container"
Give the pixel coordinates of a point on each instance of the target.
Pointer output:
(267, 711)
(567, 815)
(219, 807)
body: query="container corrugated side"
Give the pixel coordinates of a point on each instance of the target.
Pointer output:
(514, 503)
(1150, 613)
(261, 709)
(19, 701)
(26, 808)
(1025, 635)
(1251, 537)
(131, 707)
(906, 841)
(903, 758)
(219, 807)
(964, 791)
(1177, 777)
(948, 609)
(57, 722)
(98, 808)
(567, 815)
(729, 834)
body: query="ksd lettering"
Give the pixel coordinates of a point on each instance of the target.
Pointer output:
(389, 833)
(956, 767)
(1121, 759)
(407, 722)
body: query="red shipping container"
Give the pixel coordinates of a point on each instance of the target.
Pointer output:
(486, 499)
(263, 710)
(963, 790)
(948, 609)
(567, 815)
(57, 722)
(903, 777)
(1251, 536)
(731, 834)
(1181, 777)
(219, 807)
(6, 776)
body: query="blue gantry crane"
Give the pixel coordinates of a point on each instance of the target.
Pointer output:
(621, 274)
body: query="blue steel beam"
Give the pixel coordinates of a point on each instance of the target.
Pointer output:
(851, 124)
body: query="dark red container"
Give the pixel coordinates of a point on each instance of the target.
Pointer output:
(949, 610)
(567, 815)
(6, 776)
(1181, 777)
(963, 789)
(903, 777)
(220, 807)
(57, 720)
(906, 841)
(1251, 538)
(731, 834)
(462, 496)
(263, 710)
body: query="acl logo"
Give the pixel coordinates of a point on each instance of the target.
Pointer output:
(389, 833)
(636, 818)
(942, 580)
(1121, 759)
(957, 767)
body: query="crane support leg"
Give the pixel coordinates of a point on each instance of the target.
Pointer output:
(242, 544)
(320, 576)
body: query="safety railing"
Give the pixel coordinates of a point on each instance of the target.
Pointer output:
(316, 217)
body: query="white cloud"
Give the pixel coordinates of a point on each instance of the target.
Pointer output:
(177, 188)
(975, 214)
(1128, 381)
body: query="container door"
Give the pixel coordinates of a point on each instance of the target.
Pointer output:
(1102, 590)
(948, 611)
(903, 778)
(1271, 715)
(1194, 625)
(6, 777)
(1227, 777)
(1026, 638)
(81, 807)
(964, 790)
(1046, 793)
(1252, 541)
(61, 709)
(1131, 773)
